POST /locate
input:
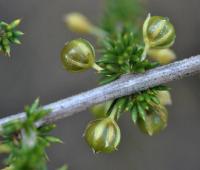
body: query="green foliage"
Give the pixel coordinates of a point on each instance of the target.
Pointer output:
(124, 49)
(137, 104)
(124, 46)
(9, 35)
(25, 143)
(155, 120)
(141, 103)
(120, 12)
(121, 54)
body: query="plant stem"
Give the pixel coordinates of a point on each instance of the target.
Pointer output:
(111, 110)
(98, 32)
(97, 67)
(124, 86)
(144, 54)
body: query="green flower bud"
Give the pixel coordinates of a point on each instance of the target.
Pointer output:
(156, 120)
(100, 110)
(163, 56)
(78, 55)
(165, 97)
(103, 135)
(78, 23)
(158, 32)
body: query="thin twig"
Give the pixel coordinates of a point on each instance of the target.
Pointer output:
(126, 85)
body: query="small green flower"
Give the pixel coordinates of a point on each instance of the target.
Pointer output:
(155, 121)
(78, 22)
(103, 135)
(78, 55)
(101, 110)
(163, 56)
(158, 32)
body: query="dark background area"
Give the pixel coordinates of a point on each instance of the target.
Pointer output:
(35, 70)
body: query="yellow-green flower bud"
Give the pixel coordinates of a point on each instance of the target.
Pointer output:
(103, 135)
(78, 55)
(163, 56)
(158, 32)
(165, 97)
(100, 110)
(78, 23)
(156, 120)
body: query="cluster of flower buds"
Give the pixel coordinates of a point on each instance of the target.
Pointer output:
(103, 134)
(156, 117)
(159, 35)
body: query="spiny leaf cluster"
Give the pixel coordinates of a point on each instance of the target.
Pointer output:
(144, 102)
(138, 105)
(24, 143)
(9, 35)
(121, 54)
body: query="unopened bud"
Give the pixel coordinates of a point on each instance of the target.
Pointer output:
(78, 23)
(78, 55)
(100, 110)
(103, 135)
(156, 120)
(158, 32)
(165, 97)
(163, 56)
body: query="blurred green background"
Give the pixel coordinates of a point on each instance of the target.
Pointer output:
(35, 70)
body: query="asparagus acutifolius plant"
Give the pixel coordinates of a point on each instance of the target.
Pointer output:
(25, 143)
(125, 46)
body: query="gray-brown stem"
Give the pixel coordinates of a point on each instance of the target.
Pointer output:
(126, 85)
